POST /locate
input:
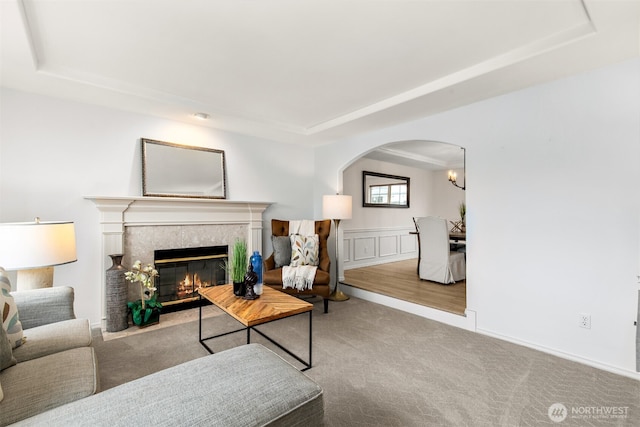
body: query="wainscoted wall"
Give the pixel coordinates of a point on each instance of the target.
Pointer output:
(365, 247)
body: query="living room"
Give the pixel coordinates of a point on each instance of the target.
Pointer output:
(553, 220)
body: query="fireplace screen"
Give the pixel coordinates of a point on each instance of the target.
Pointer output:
(181, 272)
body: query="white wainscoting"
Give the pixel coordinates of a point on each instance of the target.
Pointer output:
(365, 247)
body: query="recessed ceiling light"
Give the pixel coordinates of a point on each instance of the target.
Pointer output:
(201, 116)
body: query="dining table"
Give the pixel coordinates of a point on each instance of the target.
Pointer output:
(456, 236)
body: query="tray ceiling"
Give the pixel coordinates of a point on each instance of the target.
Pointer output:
(304, 71)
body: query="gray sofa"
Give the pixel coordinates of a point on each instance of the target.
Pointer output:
(54, 385)
(244, 386)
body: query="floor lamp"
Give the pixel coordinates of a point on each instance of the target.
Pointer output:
(33, 248)
(337, 207)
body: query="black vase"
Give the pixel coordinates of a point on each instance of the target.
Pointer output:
(116, 296)
(250, 280)
(239, 289)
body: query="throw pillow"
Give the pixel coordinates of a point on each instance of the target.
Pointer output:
(6, 354)
(305, 250)
(281, 250)
(9, 311)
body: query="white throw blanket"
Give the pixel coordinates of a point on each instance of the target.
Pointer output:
(304, 227)
(300, 277)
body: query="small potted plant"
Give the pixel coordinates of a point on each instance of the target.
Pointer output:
(146, 310)
(236, 266)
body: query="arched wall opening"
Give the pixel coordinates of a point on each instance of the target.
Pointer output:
(384, 237)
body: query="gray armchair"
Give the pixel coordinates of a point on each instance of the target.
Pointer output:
(56, 363)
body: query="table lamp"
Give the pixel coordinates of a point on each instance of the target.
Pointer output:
(33, 248)
(337, 207)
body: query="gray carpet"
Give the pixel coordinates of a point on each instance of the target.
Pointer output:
(382, 367)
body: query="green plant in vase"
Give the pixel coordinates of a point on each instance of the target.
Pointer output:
(236, 266)
(463, 213)
(146, 310)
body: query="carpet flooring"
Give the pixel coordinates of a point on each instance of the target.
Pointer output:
(383, 367)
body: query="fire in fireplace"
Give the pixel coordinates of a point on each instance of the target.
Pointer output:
(181, 272)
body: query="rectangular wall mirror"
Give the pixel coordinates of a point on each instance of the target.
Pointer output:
(384, 191)
(174, 170)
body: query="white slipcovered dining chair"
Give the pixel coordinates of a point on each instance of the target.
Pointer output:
(437, 263)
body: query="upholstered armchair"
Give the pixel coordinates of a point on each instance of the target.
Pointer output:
(272, 274)
(437, 263)
(55, 364)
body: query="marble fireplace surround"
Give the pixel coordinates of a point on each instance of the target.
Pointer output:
(136, 226)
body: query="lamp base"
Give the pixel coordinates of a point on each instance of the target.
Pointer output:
(35, 278)
(338, 295)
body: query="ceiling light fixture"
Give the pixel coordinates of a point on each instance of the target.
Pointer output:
(201, 116)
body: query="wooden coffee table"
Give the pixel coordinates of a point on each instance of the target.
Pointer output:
(272, 305)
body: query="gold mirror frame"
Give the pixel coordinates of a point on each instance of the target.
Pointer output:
(175, 170)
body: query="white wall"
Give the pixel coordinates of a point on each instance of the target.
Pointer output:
(446, 198)
(420, 196)
(552, 222)
(54, 152)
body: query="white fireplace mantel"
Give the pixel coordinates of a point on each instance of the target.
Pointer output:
(118, 213)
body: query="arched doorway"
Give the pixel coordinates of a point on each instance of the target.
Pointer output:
(380, 245)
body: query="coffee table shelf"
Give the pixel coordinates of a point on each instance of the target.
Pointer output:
(272, 305)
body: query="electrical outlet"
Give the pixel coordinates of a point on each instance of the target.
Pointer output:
(584, 320)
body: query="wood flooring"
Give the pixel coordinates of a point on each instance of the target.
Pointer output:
(400, 280)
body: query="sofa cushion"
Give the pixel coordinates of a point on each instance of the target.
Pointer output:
(38, 385)
(53, 338)
(281, 250)
(6, 354)
(9, 311)
(41, 306)
(304, 250)
(243, 386)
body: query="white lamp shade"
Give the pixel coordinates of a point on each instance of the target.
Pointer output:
(26, 245)
(336, 206)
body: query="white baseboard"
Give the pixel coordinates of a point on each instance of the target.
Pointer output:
(468, 321)
(563, 355)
